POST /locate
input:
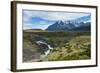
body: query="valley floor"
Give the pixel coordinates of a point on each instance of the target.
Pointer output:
(66, 46)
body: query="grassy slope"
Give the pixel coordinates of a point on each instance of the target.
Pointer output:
(68, 45)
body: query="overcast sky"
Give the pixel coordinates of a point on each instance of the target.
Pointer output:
(33, 19)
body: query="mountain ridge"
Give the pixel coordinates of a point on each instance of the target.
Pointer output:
(71, 25)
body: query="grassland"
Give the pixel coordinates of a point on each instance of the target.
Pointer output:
(69, 45)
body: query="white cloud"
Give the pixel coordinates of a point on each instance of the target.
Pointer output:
(54, 16)
(42, 26)
(28, 24)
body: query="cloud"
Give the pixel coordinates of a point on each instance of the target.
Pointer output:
(54, 16)
(41, 25)
(43, 22)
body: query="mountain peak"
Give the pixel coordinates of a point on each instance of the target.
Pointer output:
(71, 24)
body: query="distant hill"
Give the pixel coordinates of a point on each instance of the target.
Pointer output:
(31, 30)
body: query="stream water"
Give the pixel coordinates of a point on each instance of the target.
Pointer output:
(44, 45)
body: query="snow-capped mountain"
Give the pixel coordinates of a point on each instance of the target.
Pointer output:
(79, 24)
